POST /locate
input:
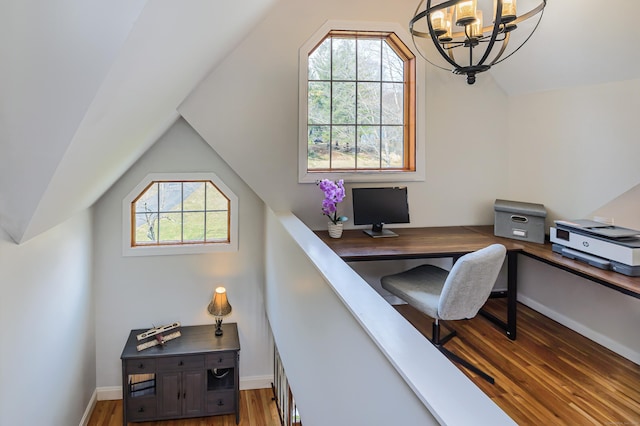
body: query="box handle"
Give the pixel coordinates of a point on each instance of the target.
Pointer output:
(519, 219)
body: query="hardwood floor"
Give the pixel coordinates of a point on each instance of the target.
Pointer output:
(550, 375)
(256, 409)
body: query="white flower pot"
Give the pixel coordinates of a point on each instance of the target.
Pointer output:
(335, 229)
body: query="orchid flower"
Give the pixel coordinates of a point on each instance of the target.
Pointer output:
(333, 194)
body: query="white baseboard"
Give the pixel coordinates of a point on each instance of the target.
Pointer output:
(599, 338)
(256, 382)
(87, 412)
(108, 393)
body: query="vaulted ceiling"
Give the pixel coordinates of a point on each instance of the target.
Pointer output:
(87, 87)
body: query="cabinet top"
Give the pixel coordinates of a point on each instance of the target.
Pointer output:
(194, 339)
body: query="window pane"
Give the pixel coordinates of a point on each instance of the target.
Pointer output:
(368, 103)
(193, 196)
(217, 226)
(368, 147)
(318, 147)
(148, 202)
(392, 65)
(344, 59)
(344, 103)
(216, 199)
(392, 147)
(145, 232)
(320, 62)
(170, 227)
(193, 227)
(170, 196)
(319, 102)
(343, 152)
(392, 103)
(369, 57)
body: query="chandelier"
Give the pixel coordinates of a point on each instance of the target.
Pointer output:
(455, 27)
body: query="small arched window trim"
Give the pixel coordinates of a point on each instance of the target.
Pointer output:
(220, 245)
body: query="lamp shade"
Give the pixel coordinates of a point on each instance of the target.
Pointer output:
(219, 305)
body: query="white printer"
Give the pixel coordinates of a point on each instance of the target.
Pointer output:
(599, 244)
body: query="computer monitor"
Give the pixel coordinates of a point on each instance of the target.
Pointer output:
(380, 206)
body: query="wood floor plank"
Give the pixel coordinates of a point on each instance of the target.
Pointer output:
(256, 409)
(550, 375)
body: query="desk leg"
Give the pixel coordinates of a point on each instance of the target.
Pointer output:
(512, 298)
(512, 294)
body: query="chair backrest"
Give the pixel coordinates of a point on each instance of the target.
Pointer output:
(469, 283)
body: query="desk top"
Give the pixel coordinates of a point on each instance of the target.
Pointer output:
(418, 243)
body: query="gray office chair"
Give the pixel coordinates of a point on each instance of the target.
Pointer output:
(455, 295)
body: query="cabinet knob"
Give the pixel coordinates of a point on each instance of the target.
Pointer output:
(181, 363)
(220, 403)
(141, 366)
(141, 410)
(220, 361)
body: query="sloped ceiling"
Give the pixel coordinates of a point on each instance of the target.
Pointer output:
(87, 87)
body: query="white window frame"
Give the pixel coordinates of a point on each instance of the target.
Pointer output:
(305, 176)
(155, 250)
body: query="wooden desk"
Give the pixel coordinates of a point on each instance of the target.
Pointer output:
(455, 241)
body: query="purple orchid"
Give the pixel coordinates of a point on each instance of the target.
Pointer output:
(333, 194)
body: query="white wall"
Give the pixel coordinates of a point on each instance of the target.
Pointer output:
(138, 292)
(576, 151)
(247, 110)
(47, 340)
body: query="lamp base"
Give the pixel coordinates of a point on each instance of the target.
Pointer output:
(218, 327)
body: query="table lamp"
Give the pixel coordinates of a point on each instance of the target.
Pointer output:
(219, 307)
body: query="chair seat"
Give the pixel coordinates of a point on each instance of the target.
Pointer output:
(420, 287)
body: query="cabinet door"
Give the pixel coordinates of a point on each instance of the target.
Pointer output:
(193, 393)
(170, 397)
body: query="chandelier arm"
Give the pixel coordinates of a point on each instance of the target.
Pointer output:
(419, 15)
(434, 38)
(425, 56)
(503, 47)
(531, 13)
(519, 19)
(526, 40)
(494, 33)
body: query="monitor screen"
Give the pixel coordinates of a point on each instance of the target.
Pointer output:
(380, 206)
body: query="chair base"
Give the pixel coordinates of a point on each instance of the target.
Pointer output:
(438, 342)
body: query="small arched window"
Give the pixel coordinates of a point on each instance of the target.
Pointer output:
(177, 214)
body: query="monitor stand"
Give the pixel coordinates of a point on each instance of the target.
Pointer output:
(376, 231)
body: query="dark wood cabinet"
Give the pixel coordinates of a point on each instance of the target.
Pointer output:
(193, 375)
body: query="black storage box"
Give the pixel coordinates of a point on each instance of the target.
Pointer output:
(520, 221)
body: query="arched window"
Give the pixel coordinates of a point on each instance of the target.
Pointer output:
(180, 213)
(359, 97)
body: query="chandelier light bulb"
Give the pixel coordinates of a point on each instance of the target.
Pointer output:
(508, 10)
(474, 29)
(466, 12)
